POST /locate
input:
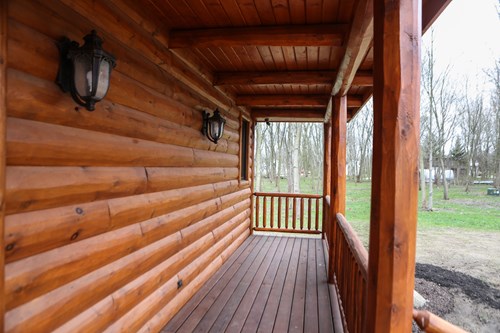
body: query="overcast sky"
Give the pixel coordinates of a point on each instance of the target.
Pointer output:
(467, 36)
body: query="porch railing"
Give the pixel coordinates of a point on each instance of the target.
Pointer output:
(350, 278)
(351, 274)
(288, 212)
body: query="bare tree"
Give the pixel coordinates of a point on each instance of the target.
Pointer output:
(359, 144)
(428, 84)
(494, 75)
(471, 125)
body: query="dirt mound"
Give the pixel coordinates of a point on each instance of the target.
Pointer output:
(475, 289)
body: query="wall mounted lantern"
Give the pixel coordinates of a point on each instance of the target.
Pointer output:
(213, 127)
(85, 70)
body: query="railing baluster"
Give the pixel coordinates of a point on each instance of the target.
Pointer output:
(269, 216)
(257, 210)
(294, 214)
(317, 214)
(279, 212)
(264, 208)
(309, 214)
(272, 212)
(301, 213)
(287, 212)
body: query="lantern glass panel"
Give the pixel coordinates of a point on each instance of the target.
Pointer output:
(103, 83)
(214, 129)
(83, 75)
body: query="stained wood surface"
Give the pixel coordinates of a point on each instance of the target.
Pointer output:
(294, 35)
(93, 200)
(396, 138)
(338, 169)
(3, 112)
(270, 284)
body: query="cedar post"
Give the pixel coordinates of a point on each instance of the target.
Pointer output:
(251, 148)
(338, 168)
(326, 172)
(395, 166)
(3, 112)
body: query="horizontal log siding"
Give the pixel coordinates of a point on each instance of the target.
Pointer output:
(124, 201)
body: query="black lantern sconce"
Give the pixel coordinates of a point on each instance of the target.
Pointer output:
(85, 71)
(213, 126)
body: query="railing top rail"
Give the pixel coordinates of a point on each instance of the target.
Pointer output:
(288, 195)
(357, 248)
(431, 323)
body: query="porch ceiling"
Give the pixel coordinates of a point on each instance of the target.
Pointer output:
(270, 56)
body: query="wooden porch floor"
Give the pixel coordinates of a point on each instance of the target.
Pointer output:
(270, 284)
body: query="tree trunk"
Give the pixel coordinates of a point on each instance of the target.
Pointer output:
(422, 180)
(445, 182)
(257, 168)
(431, 176)
(295, 158)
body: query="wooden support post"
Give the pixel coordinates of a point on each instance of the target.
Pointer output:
(3, 112)
(395, 166)
(251, 142)
(338, 167)
(326, 171)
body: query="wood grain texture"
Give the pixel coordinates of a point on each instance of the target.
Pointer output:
(34, 276)
(36, 143)
(292, 115)
(75, 225)
(358, 44)
(338, 167)
(307, 35)
(33, 232)
(126, 281)
(259, 78)
(3, 113)
(393, 218)
(283, 100)
(271, 279)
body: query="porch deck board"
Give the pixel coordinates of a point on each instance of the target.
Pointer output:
(270, 284)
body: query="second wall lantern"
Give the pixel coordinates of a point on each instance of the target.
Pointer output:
(85, 71)
(213, 126)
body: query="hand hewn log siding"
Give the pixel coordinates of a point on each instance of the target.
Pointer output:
(48, 106)
(156, 301)
(36, 143)
(36, 188)
(35, 232)
(75, 23)
(125, 200)
(130, 279)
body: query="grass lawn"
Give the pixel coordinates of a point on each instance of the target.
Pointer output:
(473, 211)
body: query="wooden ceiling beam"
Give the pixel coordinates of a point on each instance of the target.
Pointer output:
(358, 44)
(293, 35)
(285, 77)
(288, 114)
(363, 79)
(290, 101)
(282, 100)
(354, 101)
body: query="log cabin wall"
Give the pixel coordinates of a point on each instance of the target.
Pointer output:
(108, 212)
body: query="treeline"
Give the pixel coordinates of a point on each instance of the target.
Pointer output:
(459, 140)
(291, 151)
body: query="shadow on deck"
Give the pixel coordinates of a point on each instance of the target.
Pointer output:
(270, 284)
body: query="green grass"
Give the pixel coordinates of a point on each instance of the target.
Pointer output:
(306, 186)
(472, 211)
